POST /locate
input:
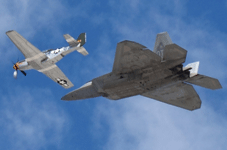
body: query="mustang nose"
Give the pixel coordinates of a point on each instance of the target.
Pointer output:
(15, 66)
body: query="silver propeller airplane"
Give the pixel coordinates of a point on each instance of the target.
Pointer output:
(45, 61)
(158, 75)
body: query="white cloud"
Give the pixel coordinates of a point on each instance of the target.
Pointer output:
(24, 16)
(27, 16)
(30, 119)
(141, 123)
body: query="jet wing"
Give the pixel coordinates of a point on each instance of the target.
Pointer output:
(28, 50)
(181, 95)
(131, 56)
(57, 76)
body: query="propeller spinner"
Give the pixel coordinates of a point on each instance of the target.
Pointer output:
(15, 74)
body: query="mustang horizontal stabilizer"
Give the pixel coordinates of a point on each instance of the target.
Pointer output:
(28, 50)
(72, 42)
(81, 40)
(204, 81)
(78, 44)
(86, 91)
(82, 50)
(182, 95)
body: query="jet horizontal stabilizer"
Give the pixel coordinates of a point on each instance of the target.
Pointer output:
(162, 39)
(205, 81)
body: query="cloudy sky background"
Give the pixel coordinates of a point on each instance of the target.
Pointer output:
(32, 116)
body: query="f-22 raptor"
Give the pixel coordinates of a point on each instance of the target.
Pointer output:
(45, 61)
(158, 75)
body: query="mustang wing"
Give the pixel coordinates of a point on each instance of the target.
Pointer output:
(131, 56)
(182, 95)
(57, 76)
(29, 51)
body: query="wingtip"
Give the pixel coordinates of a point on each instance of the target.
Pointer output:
(162, 33)
(219, 86)
(9, 31)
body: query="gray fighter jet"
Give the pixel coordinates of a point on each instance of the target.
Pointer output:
(45, 61)
(158, 75)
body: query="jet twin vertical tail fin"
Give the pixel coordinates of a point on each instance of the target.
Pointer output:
(168, 51)
(162, 39)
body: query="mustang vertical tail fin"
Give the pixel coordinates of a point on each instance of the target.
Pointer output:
(77, 44)
(82, 39)
(162, 39)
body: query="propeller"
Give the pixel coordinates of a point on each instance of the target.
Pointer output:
(16, 67)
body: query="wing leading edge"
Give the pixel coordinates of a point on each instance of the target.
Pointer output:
(88, 90)
(28, 50)
(57, 76)
(181, 95)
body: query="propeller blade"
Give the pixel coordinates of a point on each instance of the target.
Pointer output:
(23, 72)
(15, 74)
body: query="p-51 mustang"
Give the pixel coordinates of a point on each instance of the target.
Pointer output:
(159, 75)
(45, 61)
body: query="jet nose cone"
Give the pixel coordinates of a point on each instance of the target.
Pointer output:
(66, 97)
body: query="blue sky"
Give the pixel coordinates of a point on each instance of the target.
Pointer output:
(32, 116)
